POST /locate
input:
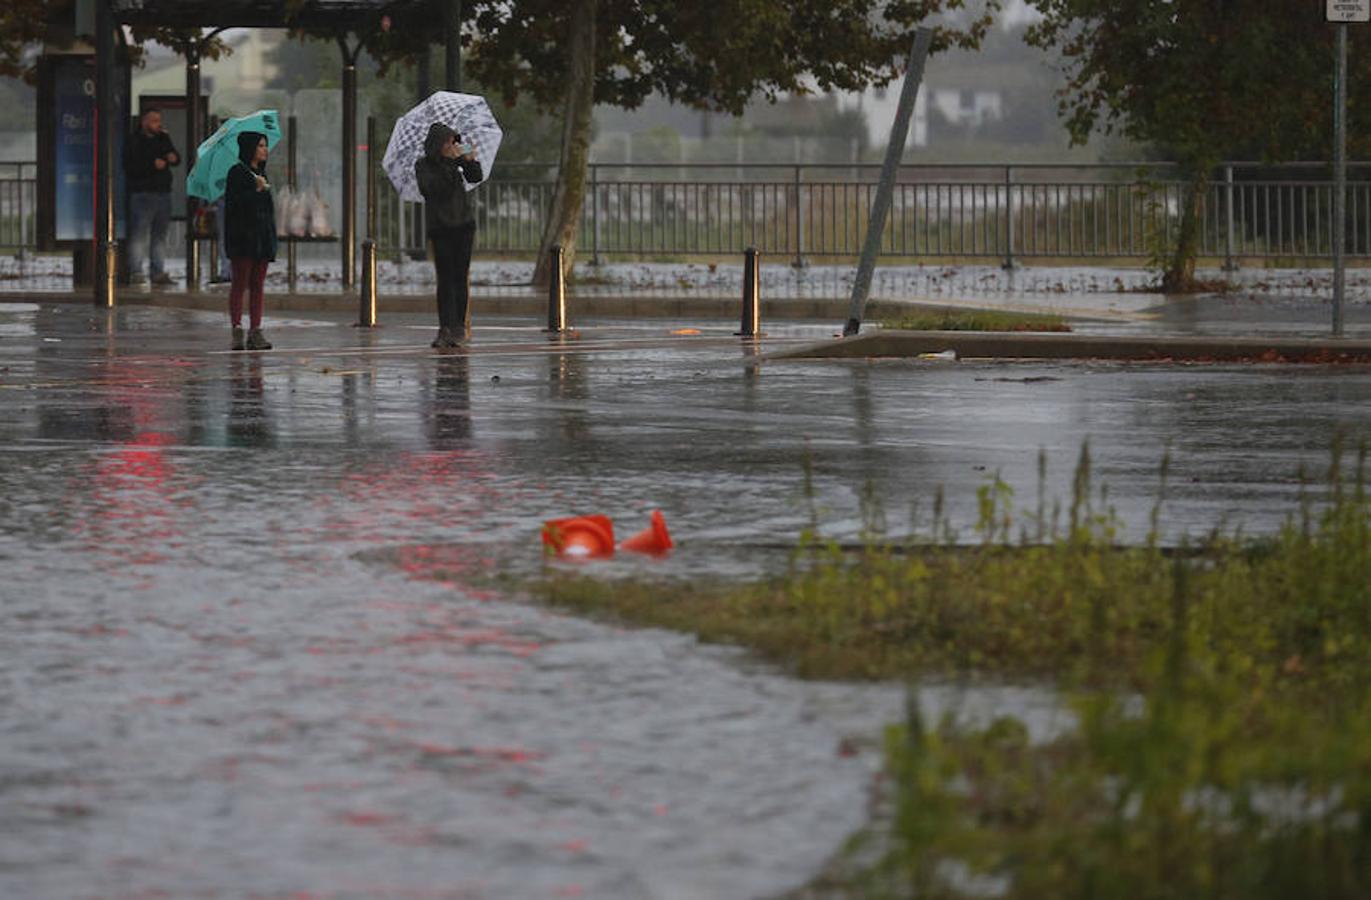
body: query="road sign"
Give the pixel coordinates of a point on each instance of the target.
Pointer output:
(1348, 11)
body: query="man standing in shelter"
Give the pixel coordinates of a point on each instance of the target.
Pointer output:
(148, 159)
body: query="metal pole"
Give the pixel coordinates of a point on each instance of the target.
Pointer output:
(292, 271)
(192, 142)
(23, 218)
(595, 214)
(1228, 264)
(752, 294)
(211, 126)
(371, 176)
(1339, 179)
(1009, 218)
(367, 311)
(799, 223)
(106, 263)
(452, 37)
(366, 302)
(349, 259)
(880, 206)
(556, 293)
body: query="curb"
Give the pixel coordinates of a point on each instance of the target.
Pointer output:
(1006, 345)
(626, 306)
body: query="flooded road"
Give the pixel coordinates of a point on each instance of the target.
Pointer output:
(249, 647)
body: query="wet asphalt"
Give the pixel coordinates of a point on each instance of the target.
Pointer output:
(249, 647)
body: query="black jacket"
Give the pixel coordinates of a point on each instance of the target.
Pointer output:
(249, 214)
(140, 152)
(440, 181)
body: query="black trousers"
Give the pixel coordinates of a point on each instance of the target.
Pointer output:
(452, 260)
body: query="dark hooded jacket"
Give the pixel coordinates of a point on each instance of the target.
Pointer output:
(441, 182)
(141, 152)
(249, 214)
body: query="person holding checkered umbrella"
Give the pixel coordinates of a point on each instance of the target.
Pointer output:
(446, 164)
(439, 152)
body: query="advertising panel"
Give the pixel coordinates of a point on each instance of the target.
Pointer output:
(73, 158)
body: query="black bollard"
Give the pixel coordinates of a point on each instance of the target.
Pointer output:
(752, 294)
(556, 292)
(366, 313)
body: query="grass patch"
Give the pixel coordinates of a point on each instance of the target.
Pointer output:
(977, 320)
(1222, 691)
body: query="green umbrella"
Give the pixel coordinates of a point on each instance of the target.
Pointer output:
(219, 152)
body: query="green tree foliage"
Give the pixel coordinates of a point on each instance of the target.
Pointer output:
(1204, 81)
(566, 57)
(718, 56)
(26, 24)
(22, 27)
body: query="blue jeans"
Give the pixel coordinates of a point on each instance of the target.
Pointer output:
(149, 216)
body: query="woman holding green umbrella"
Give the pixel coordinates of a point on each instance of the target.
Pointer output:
(231, 163)
(250, 233)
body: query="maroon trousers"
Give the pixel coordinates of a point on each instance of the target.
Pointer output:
(248, 275)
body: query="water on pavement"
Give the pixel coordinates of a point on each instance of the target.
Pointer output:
(247, 645)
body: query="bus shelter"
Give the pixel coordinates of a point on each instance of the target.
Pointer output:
(346, 20)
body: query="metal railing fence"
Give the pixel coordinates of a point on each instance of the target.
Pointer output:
(1128, 212)
(18, 206)
(1125, 211)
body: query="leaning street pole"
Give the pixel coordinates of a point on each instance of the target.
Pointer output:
(1340, 12)
(880, 207)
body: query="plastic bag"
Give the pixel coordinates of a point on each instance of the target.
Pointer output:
(319, 225)
(297, 219)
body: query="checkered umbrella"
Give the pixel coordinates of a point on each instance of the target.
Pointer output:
(466, 114)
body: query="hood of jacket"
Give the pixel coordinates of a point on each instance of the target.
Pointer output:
(438, 133)
(247, 145)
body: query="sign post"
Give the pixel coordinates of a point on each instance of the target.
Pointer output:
(1340, 13)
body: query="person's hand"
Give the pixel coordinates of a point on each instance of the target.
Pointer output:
(159, 164)
(261, 183)
(172, 159)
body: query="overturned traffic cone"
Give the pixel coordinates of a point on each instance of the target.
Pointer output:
(579, 536)
(652, 539)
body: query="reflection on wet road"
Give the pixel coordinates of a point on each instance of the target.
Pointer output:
(248, 644)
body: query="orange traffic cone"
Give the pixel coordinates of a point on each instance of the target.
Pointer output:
(579, 536)
(652, 539)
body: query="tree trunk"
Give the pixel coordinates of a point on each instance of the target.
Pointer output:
(569, 193)
(1180, 272)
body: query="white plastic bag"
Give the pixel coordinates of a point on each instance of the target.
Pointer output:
(297, 218)
(319, 225)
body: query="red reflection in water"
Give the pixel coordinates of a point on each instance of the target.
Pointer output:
(439, 489)
(126, 505)
(135, 513)
(365, 818)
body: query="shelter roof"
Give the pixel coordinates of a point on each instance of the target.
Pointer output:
(346, 15)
